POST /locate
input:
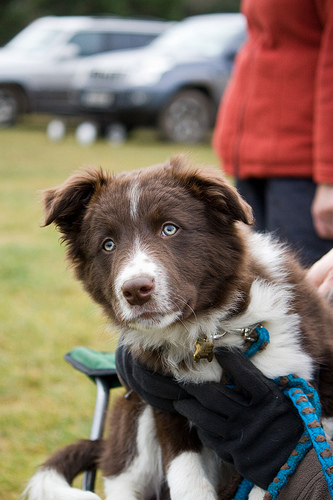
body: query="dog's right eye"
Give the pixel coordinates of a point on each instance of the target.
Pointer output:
(169, 229)
(109, 245)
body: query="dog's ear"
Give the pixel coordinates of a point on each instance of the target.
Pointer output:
(66, 205)
(209, 185)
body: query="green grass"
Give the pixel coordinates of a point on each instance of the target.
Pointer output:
(44, 403)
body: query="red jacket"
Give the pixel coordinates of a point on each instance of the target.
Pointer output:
(276, 117)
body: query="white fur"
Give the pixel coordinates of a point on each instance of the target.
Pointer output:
(256, 493)
(140, 263)
(270, 305)
(270, 254)
(134, 194)
(187, 478)
(328, 427)
(181, 338)
(143, 476)
(47, 484)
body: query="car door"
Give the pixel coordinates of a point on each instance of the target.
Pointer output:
(51, 85)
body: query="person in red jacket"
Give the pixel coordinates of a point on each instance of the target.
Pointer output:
(274, 129)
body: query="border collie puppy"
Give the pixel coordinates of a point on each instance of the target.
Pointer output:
(169, 254)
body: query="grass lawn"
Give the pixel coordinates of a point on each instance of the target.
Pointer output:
(44, 403)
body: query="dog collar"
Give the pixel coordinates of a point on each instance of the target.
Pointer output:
(204, 347)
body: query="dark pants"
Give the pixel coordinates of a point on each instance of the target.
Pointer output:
(282, 206)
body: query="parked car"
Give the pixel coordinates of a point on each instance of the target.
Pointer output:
(175, 83)
(37, 66)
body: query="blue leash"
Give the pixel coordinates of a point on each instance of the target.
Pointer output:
(306, 400)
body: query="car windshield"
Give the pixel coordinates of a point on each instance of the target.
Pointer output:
(204, 38)
(35, 41)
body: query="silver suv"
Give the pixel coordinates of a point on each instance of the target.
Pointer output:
(175, 84)
(37, 65)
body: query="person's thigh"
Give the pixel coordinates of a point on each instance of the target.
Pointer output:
(288, 204)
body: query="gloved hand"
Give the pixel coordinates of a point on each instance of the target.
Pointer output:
(157, 390)
(255, 428)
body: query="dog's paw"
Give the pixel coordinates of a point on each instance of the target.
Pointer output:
(47, 484)
(256, 493)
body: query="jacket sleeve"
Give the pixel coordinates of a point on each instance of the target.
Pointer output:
(308, 482)
(323, 99)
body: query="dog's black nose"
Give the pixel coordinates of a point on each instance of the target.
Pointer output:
(138, 291)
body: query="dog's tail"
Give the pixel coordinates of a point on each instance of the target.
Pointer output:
(52, 481)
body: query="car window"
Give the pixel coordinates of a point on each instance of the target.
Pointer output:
(90, 43)
(207, 39)
(119, 41)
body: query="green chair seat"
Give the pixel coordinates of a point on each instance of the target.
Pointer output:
(94, 364)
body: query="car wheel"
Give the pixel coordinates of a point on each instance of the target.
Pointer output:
(187, 118)
(8, 108)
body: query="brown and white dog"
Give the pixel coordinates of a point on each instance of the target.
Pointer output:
(168, 253)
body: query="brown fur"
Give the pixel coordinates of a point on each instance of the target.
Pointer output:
(75, 458)
(123, 427)
(183, 437)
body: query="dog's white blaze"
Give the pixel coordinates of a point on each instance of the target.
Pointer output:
(47, 484)
(140, 263)
(187, 478)
(134, 194)
(145, 474)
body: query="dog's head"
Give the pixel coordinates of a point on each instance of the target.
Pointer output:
(154, 246)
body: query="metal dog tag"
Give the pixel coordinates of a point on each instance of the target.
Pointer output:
(203, 349)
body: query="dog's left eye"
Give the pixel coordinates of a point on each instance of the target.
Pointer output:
(109, 245)
(169, 229)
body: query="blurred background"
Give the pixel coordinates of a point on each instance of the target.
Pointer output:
(16, 14)
(67, 100)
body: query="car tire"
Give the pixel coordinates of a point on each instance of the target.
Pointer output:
(8, 108)
(187, 117)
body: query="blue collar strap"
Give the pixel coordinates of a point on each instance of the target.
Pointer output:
(306, 400)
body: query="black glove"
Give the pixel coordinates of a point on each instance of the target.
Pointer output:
(256, 429)
(157, 390)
